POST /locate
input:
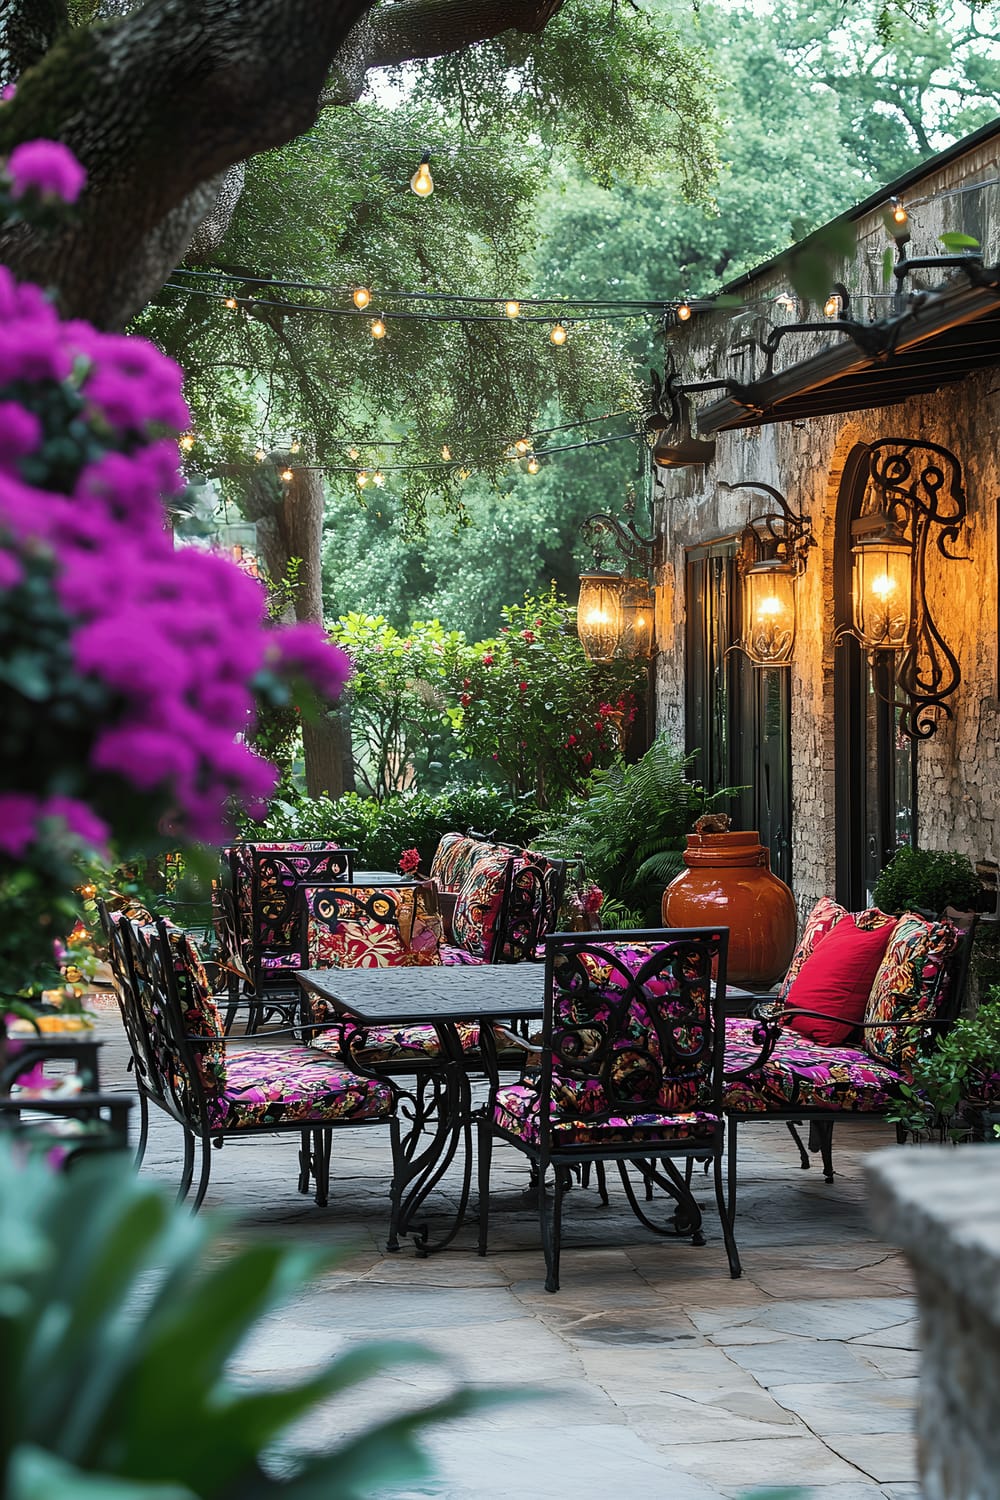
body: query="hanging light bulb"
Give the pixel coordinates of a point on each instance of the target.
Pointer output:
(352, 454)
(512, 308)
(361, 478)
(899, 214)
(232, 304)
(362, 297)
(378, 479)
(287, 475)
(294, 446)
(464, 473)
(445, 452)
(422, 182)
(832, 305)
(523, 446)
(683, 311)
(186, 442)
(377, 328)
(533, 465)
(260, 455)
(558, 333)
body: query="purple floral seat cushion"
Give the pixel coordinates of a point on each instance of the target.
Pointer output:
(268, 1086)
(452, 955)
(909, 986)
(517, 1111)
(394, 1044)
(801, 1072)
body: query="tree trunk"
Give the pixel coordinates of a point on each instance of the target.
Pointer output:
(290, 525)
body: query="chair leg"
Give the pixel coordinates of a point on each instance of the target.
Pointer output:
(731, 1169)
(602, 1183)
(140, 1150)
(821, 1140)
(206, 1169)
(396, 1189)
(733, 1255)
(322, 1149)
(552, 1225)
(305, 1162)
(804, 1161)
(187, 1172)
(484, 1143)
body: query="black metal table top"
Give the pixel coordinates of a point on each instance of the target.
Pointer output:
(433, 992)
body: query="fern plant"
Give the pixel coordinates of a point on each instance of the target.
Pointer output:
(630, 828)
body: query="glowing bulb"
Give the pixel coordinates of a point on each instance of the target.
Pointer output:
(361, 478)
(378, 478)
(362, 297)
(683, 311)
(294, 446)
(899, 214)
(232, 304)
(260, 455)
(557, 333)
(378, 328)
(512, 308)
(287, 475)
(352, 454)
(463, 473)
(883, 586)
(445, 452)
(831, 307)
(187, 442)
(769, 607)
(522, 445)
(422, 182)
(533, 465)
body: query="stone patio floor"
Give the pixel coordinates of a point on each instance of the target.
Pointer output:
(658, 1375)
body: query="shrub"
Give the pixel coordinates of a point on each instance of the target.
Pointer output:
(927, 880)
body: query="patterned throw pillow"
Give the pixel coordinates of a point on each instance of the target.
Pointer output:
(353, 928)
(199, 1012)
(908, 986)
(822, 919)
(454, 858)
(480, 899)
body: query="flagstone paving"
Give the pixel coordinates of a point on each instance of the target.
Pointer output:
(657, 1375)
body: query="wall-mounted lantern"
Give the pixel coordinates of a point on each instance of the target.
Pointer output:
(773, 549)
(600, 620)
(616, 613)
(882, 563)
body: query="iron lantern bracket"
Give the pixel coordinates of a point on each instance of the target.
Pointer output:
(640, 552)
(781, 534)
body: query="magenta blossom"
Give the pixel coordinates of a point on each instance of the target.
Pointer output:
(47, 168)
(18, 821)
(20, 433)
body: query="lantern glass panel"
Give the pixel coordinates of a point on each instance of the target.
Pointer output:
(769, 613)
(599, 616)
(638, 612)
(881, 587)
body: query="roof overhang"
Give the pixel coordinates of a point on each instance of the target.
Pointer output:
(942, 336)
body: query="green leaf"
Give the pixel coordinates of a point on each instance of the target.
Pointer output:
(34, 1474)
(955, 241)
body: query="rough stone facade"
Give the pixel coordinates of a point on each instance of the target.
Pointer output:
(959, 767)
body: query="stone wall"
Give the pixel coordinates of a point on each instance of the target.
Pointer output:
(959, 767)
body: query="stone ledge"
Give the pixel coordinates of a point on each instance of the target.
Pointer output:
(941, 1206)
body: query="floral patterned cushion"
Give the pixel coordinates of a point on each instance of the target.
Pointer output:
(454, 857)
(822, 919)
(908, 986)
(517, 1110)
(802, 1073)
(480, 900)
(356, 927)
(393, 1044)
(199, 1014)
(268, 1086)
(452, 955)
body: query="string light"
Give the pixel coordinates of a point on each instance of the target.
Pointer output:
(260, 455)
(294, 446)
(422, 182)
(287, 475)
(445, 452)
(683, 312)
(378, 479)
(362, 297)
(361, 478)
(557, 333)
(899, 214)
(186, 442)
(533, 465)
(378, 328)
(522, 445)
(232, 304)
(464, 473)
(512, 309)
(353, 453)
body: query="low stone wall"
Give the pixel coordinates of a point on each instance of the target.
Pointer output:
(941, 1206)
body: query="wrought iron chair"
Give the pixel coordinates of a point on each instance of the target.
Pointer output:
(257, 921)
(215, 1091)
(629, 1070)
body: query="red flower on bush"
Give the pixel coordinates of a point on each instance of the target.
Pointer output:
(487, 658)
(528, 635)
(465, 700)
(522, 687)
(409, 861)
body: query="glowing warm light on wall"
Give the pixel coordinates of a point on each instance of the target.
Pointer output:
(882, 587)
(769, 613)
(599, 614)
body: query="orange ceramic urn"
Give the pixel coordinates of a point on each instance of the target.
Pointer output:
(728, 883)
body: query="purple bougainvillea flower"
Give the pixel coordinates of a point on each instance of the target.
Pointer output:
(80, 821)
(11, 571)
(7, 92)
(47, 168)
(20, 433)
(18, 822)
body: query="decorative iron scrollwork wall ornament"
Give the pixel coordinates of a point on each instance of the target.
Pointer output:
(914, 493)
(772, 554)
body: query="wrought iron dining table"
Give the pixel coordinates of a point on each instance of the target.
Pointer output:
(438, 1114)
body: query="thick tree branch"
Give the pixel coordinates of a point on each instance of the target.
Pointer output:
(156, 106)
(412, 29)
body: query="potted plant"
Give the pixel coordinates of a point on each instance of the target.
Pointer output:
(961, 1076)
(927, 880)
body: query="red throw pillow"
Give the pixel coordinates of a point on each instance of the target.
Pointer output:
(837, 978)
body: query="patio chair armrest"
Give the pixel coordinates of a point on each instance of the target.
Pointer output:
(766, 1033)
(514, 1038)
